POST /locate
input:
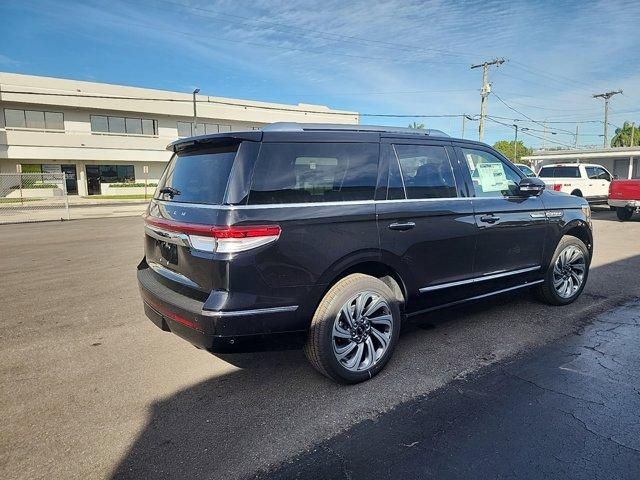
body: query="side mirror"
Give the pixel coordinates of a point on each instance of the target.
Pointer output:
(531, 187)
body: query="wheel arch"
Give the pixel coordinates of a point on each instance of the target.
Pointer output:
(581, 231)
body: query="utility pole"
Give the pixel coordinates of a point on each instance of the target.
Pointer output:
(486, 89)
(633, 129)
(606, 96)
(544, 136)
(464, 118)
(195, 112)
(515, 145)
(577, 130)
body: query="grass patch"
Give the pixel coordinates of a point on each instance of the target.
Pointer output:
(18, 200)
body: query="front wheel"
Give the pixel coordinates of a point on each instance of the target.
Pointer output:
(354, 330)
(567, 274)
(624, 213)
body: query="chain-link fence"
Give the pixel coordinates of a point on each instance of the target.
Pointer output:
(33, 197)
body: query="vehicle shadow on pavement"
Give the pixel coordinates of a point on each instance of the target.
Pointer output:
(275, 406)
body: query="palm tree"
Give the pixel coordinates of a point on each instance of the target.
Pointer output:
(622, 138)
(417, 125)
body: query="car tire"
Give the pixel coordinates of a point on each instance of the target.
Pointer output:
(567, 273)
(341, 342)
(624, 213)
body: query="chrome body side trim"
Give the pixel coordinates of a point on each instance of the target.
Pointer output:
(256, 311)
(479, 279)
(477, 297)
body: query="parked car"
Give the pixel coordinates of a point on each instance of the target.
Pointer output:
(343, 232)
(624, 197)
(582, 180)
(526, 169)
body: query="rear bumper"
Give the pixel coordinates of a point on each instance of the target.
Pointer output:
(624, 203)
(216, 331)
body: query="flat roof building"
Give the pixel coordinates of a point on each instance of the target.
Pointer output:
(621, 161)
(101, 134)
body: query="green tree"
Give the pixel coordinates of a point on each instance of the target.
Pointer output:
(505, 147)
(417, 125)
(622, 138)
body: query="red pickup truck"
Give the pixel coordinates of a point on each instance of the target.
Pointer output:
(624, 196)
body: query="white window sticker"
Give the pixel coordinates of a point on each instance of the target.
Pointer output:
(492, 177)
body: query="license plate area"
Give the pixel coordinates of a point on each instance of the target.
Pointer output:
(168, 251)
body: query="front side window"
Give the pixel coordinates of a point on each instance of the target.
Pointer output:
(314, 172)
(491, 176)
(424, 172)
(597, 173)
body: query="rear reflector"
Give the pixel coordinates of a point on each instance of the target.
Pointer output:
(215, 238)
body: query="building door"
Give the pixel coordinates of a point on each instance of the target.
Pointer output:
(71, 179)
(93, 179)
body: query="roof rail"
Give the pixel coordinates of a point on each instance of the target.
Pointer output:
(325, 127)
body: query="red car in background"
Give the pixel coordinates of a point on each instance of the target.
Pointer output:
(624, 197)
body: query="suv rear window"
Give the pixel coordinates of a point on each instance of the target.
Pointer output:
(314, 172)
(197, 177)
(559, 172)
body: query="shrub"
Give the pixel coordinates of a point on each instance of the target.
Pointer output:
(126, 185)
(36, 185)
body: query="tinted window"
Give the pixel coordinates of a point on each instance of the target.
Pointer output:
(34, 119)
(14, 118)
(490, 175)
(99, 123)
(198, 177)
(314, 172)
(134, 126)
(425, 172)
(54, 120)
(148, 127)
(560, 172)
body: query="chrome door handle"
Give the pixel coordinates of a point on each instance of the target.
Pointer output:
(402, 226)
(489, 218)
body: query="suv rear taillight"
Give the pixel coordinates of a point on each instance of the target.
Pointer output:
(213, 238)
(557, 187)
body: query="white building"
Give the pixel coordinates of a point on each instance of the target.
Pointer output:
(622, 161)
(101, 134)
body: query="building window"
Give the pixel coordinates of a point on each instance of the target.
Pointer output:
(185, 129)
(124, 126)
(116, 173)
(33, 119)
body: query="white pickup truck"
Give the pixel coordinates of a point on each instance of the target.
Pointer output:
(583, 180)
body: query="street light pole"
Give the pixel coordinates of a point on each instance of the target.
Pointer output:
(195, 112)
(515, 144)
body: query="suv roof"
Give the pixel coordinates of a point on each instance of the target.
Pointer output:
(279, 128)
(573, 164)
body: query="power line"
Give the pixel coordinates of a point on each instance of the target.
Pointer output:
(526, 132)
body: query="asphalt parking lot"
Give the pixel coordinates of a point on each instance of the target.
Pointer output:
(92, 389)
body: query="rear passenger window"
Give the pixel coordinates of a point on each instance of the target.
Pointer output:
(421, 171)
(314, 172)
(491, 176)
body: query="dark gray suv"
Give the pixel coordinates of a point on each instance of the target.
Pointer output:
(344, 231)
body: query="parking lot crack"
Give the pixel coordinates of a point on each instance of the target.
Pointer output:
(597, 434)
(551, 390)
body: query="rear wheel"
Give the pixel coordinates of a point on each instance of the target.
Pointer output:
(577, 193)
(354, 330)
(624, 213)
(567, 274)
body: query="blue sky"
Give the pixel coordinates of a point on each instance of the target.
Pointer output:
(395, 56)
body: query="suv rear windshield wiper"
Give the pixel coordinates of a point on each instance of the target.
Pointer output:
(172, 192)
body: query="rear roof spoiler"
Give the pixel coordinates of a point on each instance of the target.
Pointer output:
(215, 139)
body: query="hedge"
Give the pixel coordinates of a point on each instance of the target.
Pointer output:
(36, 185)
(126, 185)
